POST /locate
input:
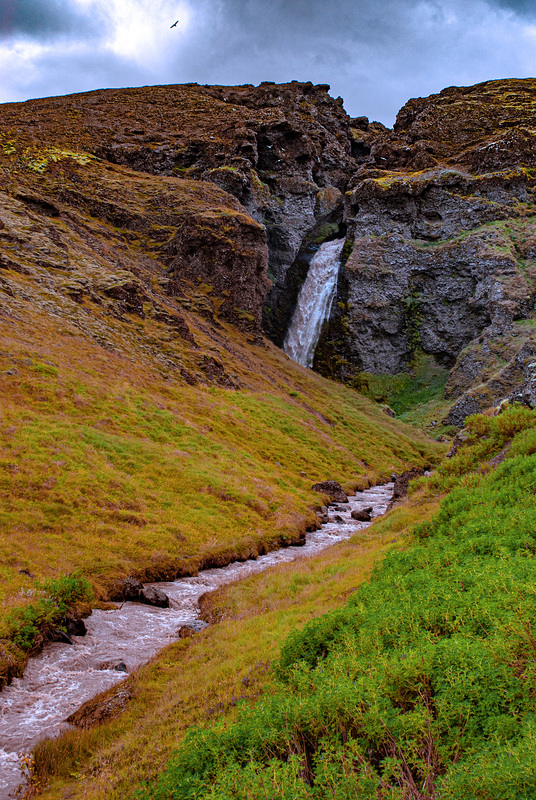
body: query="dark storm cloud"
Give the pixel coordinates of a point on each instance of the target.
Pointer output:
(43, 19)
(376, 54)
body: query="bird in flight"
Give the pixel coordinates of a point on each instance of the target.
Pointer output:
(174, 25)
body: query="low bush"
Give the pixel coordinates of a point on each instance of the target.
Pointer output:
(56, 598)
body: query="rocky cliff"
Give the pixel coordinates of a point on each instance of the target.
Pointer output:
(440, 216)
(161, 200)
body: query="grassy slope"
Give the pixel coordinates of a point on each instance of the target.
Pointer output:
(109, 468)
(141, 433)
(422, 685)
(253, 618)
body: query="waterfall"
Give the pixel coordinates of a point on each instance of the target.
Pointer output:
(314, 303)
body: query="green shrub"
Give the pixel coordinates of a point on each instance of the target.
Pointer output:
(423, 683)
(58, 596)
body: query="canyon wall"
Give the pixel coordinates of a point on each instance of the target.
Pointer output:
(218, 197)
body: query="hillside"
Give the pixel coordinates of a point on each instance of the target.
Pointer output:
(139, 397)
(153, 243)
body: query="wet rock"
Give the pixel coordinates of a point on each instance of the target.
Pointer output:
(120, 667)
(361, 515)
(191, 628)
(133, 590)
(153, 596)
(333, 489)
(323, 515)
(400, 488)
(58, 635)
(76, 627)
(337, 518)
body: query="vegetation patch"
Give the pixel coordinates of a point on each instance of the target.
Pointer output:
(422, 685)
(419, 390)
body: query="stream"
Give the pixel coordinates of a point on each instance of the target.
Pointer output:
(63, 677)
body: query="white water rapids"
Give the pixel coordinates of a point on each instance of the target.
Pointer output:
(314, 303)
(64, 676)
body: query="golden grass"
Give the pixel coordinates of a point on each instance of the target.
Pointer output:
(107, 467)
(196, 680)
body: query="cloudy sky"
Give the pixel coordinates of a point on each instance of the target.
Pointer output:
(376, 54)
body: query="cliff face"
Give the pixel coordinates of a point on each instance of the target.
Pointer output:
(441, 218)
(283, 151)
(214, 199)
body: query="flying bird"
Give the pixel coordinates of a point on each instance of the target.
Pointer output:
(174, 25)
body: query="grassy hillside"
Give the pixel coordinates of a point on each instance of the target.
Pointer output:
(146, 427)
(121, 744)
(422, 685)
(110, 469)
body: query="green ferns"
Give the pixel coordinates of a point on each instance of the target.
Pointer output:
(422, 685)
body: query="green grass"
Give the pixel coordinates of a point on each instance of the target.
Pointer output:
(117, 473)
(233, 656)
(411, 395)
(423, 682)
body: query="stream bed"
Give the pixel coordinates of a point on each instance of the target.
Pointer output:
(63, 677)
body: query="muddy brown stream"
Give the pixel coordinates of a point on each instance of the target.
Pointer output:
(64, 676)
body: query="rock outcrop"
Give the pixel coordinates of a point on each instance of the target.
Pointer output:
(441, 226)
(153, 202)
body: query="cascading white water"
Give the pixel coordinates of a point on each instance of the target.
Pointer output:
(314, 303)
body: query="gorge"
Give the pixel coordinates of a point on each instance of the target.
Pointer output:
(213, 299)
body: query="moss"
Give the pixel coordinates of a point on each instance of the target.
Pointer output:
(423, 387)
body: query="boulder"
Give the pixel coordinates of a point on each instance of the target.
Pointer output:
(131, 589)
(361, 515)
(333, 489)
(136, 592)
(76, 627)
(191, 628)
(152, 596)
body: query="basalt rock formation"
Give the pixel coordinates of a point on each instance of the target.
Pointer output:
(440, 217)
(158, 201)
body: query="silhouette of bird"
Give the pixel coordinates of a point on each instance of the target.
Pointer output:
(174, 25)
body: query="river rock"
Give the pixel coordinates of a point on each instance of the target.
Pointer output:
(133, 590)
(191, 628)
(153, 596)
(333, 489)
(361, 515)
(58, 635)
(76, 627)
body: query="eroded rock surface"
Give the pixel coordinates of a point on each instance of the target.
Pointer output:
(155, 202)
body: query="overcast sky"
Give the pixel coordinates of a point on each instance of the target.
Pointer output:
(376, 54)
